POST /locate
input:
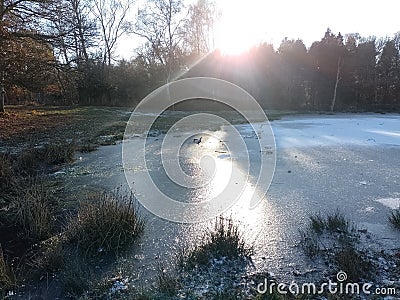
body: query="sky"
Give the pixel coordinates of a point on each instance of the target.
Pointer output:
(243, 23)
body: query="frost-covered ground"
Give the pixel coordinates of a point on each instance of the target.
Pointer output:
(345, 162)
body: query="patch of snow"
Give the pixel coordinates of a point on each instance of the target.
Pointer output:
(59, 173)
(341, 129)
(118, 286)
(369, 209)
(392, 203)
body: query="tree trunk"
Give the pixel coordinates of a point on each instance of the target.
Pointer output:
(2, 91)
(2, 96)
(336, 84)
(1, 9)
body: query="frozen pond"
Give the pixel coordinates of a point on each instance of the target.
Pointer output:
(348, 162)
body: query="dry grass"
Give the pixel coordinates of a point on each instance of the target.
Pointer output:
(34, 159)
(353, 262)
(40, 140)
(76, 277)
(317, 224)
(335, 238)
(394, 218)
(7, 277)
(58, 153)
(106, 223)
(23, 121)
(8, 178)
(337, 222)
(331, 223)
(49, 256)
(44, 124)
(225, 240)
(32, 211)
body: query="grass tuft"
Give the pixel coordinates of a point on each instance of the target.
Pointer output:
(49, 256)
(7, 277)
(33, 159)
(8, 178)
(105, 224)
(59, 153)
(31, 211)
(353, 262)
(331, 223)
(394, 218)
(225, 241)
(28, 161)
(335, 239)
(317, 224)
(337, 222)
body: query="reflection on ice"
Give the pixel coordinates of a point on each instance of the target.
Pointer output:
(395, 134)
(393, 203)
(194, 174)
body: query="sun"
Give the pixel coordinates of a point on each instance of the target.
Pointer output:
(238, 28)
(232, 39)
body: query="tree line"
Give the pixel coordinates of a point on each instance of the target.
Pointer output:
(64, 52)
(336, 73)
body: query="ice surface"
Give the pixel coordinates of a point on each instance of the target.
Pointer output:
(311, 131)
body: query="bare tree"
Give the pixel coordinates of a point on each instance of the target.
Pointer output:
(111, 16)
(161, 23)
(199, 27)
(76, 30)
(83, 25)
